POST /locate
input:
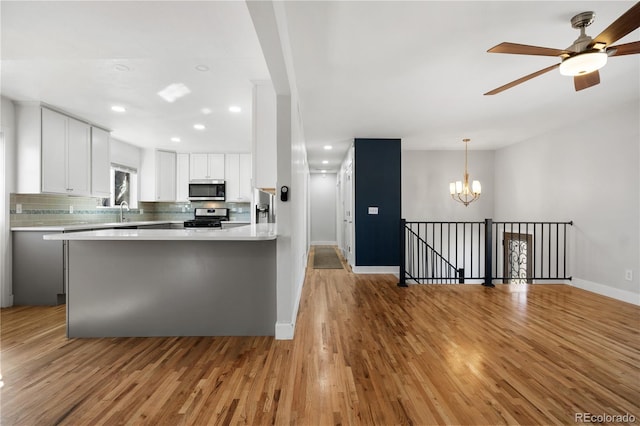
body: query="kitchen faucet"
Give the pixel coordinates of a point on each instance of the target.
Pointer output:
(123, 205)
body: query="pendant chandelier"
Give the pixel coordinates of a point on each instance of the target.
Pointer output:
(460, 190)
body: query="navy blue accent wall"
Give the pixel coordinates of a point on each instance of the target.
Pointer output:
(377, 184)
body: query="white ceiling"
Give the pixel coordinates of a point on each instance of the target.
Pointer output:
(410, 70)
(66, 54)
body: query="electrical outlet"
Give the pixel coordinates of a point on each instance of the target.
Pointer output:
(18, 208)
(71, 209)
(628, 275)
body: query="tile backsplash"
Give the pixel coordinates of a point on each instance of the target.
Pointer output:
(52, 209)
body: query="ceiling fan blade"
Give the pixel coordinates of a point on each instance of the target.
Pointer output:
(625, 49)
(525, 49)
(585, 81)
(522, 80)
(622, 26)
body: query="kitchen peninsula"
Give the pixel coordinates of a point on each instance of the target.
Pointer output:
(171, 282)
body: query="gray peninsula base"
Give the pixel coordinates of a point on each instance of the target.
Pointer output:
(171, 288)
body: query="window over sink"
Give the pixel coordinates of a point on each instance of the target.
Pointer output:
(124, 186)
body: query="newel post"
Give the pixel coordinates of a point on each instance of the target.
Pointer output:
(488, 253)
(402, 281)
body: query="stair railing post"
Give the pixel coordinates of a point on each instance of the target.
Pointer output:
(488, 253)
(402, 281)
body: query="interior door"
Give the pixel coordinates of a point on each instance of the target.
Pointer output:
(348, 215)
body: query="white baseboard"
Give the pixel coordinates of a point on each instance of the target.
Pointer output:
(324, 243)
(285, 330)
(395, 270)
(605, 290)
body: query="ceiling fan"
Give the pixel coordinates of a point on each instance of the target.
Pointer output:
(586, 55)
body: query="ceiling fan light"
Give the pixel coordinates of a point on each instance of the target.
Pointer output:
(583, 63)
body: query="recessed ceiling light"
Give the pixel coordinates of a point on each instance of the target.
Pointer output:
(175, 139)
(234, 108)
(323, 171)
(173, 92)
(206, 111)
(118, 108)
(328, 147)
(325, 161)
(121, 67)
(199, 126)
(202, 68)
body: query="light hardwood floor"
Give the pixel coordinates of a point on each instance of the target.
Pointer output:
(365, 352)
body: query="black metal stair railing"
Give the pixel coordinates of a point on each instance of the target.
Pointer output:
(483, 252)
(425, 264)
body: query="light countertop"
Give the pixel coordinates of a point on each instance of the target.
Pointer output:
(254, 232)
(108, 225)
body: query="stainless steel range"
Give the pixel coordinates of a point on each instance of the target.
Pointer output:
(207, 218)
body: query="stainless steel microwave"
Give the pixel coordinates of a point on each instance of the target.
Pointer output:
(211, 190)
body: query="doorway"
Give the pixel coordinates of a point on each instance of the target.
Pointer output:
(518, 258)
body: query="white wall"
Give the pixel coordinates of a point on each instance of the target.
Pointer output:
(587, 172)
(292, 170)
(425, 185)
(322, 193)
(264, 135)
(7, 186)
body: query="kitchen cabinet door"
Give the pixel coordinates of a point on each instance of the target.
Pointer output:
(199, 166)
(245, 177)
(238, 177)
(66, 154)
(232, 177)
(182, 177)
(78, 157)
(54, 152)
(216, 166)
(206, 166)
(100, 163)
(165, 175)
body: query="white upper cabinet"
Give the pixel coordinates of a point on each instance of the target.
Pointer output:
(232, 177)
(182, 177)
(238, 177)
(246, 175)
(206, 166)
(66, 154)
(165, 175)
(56, 153)
(100, 162)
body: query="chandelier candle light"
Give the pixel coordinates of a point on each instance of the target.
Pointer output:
(460, 190)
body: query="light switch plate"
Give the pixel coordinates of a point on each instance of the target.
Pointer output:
(373, 210)
(18, 208)
(71, 209)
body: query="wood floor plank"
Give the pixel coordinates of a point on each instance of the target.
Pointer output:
(366, 352)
